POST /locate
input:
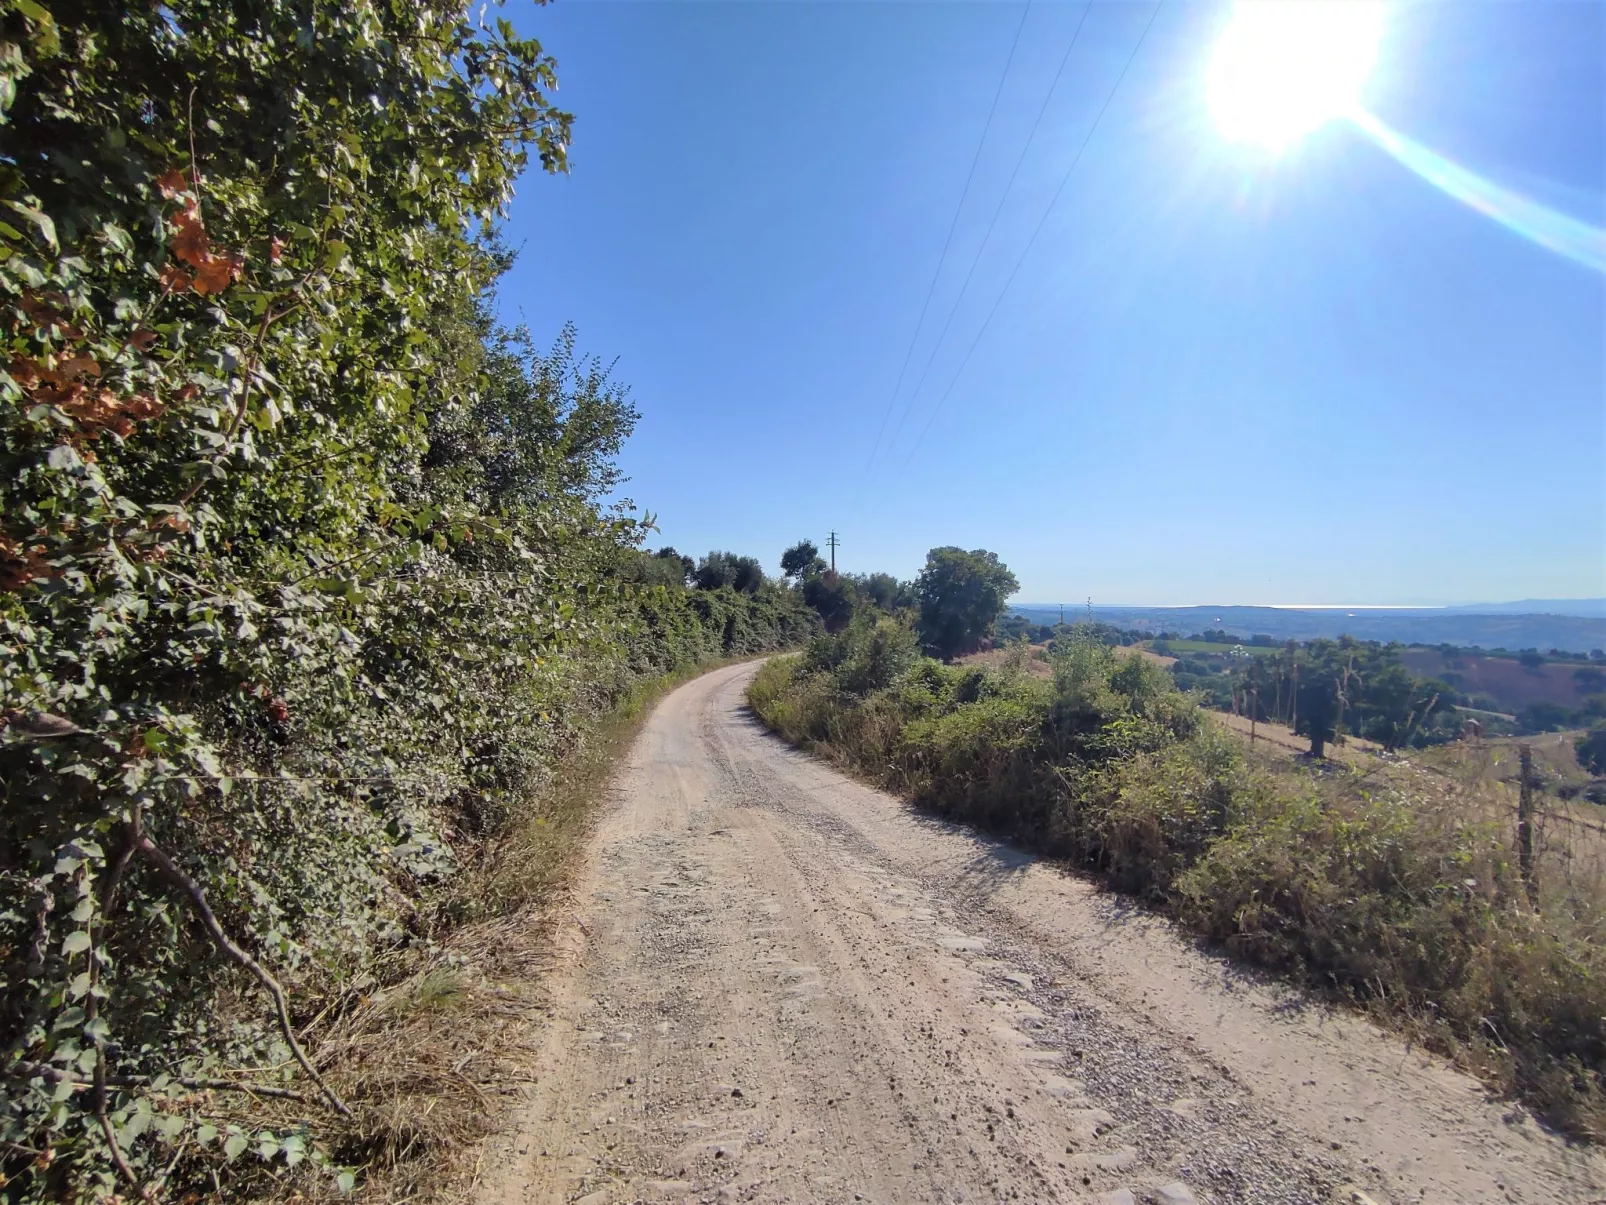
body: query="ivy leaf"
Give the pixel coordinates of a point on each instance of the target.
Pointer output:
(63, 457)
(40, 220)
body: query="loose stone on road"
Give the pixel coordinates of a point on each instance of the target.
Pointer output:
(779, 985)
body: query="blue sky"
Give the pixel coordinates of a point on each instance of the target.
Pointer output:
(1219, 375)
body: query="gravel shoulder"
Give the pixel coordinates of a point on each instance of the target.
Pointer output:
(776, 984)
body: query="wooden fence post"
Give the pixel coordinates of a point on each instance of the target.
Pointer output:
(1525, 824)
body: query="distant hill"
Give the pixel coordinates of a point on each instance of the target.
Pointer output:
(1490, 626)
(1589, 608)
(1504, 682)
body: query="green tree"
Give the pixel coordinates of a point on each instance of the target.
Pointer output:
(802, 560)
(883, 591)
(743, 574)
(1590, 680)
(1591, 749)
(665, 567)
(684, 564)
(961, 595)
(1545, 717)
(832, 597)
(286, 530)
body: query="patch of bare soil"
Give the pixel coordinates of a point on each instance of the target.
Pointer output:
(775, 984)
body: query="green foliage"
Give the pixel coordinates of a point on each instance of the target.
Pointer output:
(1589, 679)
(1544, 717)
(666, 567)
(802, 560)
(720, 570)
(1591, 748)
(306, 582)
(1332, 688)
(832, 597)
(961, 594)
(869, 656)
(883, 591)
(1405, 906)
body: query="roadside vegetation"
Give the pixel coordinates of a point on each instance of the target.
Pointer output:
(1394, 883)
(315, 617)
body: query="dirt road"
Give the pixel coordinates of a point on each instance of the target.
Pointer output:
(779, 985)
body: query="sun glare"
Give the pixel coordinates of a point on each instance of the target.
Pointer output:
(1285, 67)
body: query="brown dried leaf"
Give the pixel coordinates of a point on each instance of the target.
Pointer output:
(190, 243)
(175, 279)
(217, 272)
(173, 183)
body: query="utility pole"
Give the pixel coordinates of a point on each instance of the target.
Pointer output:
(832, 543)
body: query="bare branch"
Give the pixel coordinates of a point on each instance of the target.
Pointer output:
(209, 921)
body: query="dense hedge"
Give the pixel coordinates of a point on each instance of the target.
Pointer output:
(306, 576)
(1408, 902)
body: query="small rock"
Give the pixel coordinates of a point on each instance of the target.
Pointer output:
(736, 1092)
(1175, 1194)
(1121, 1196)
(1106, 1161)
(1085, 1125)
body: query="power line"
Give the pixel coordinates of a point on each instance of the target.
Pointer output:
(998, 209)
(947, 242)
(1031, 242)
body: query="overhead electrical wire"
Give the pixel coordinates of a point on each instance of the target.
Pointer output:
(982, 246)
(948, 242)
(1031, 242)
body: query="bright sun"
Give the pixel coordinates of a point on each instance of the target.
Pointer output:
(1285, 67)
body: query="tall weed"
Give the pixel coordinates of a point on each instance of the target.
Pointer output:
(1404, 902)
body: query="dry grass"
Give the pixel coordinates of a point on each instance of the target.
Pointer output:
(1280, 736)
(1504, 679)
(1479, 781)
(1391, 882)
(438, 1060)
(1539, 963)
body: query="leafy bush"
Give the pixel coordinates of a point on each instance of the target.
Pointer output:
(306, 583)
(1591, 749)
(725, 569)
(1405, 905)
(1544, 717)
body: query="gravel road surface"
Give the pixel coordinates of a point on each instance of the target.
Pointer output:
(775, 984)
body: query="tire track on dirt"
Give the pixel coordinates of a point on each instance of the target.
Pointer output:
(783, 986)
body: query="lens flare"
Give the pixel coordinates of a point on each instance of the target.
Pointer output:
(1283, 68)
(1558, 232)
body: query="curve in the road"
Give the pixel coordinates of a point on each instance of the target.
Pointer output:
(784, 986)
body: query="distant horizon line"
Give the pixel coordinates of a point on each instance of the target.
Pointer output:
(1084, 604)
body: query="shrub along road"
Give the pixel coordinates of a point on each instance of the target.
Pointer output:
(778, 984)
